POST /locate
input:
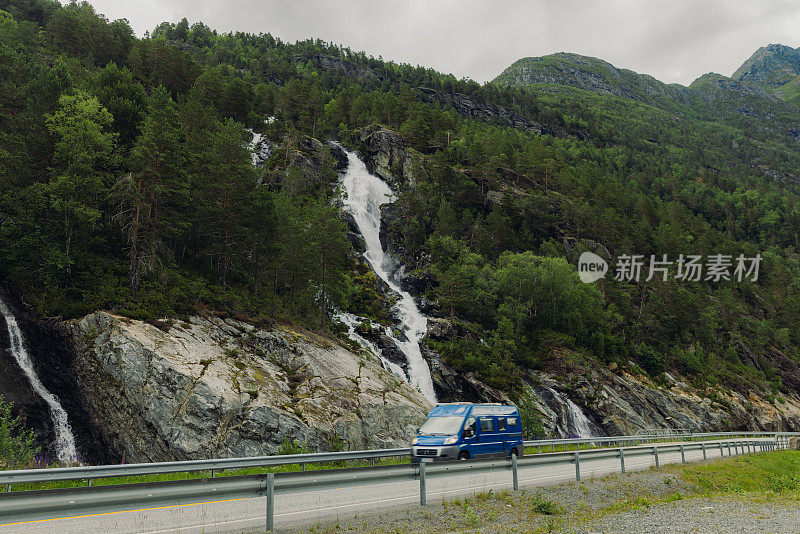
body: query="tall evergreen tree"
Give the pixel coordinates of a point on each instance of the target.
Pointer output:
(154, 196)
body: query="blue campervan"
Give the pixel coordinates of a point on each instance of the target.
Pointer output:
(462, 431)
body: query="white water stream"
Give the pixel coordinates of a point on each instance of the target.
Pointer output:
(65, 441)
(365, 194)
(578, 425)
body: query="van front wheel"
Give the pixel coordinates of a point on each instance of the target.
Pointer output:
(463, 455)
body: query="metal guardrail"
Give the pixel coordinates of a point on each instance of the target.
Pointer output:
(64, 502)
(106, 471)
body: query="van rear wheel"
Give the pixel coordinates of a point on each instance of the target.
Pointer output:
(463, 455)
(514, 452)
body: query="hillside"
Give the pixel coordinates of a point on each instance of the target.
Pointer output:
(129, 187)
(590, 74)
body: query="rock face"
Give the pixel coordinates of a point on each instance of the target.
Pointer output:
(217, 388)
(332, 63)
(621, 402)
(386, 155)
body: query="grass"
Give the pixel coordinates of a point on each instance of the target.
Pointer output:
(776, 472)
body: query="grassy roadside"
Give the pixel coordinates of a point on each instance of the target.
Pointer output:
(772, 477)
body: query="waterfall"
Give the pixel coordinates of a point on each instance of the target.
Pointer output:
(65, 441)
(576, 422)
(365, 194)
(260, 147)
(580, 423)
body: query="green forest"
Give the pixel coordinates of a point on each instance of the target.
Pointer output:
(127, 186)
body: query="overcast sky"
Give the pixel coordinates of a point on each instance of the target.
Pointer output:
(673, 40)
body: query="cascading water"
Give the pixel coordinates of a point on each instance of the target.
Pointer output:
(577, 424)
(579, 421)
(65, 441)
(365, 194)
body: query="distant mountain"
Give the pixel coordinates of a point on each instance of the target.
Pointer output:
(771, 66)
(591, 74)
(761, 96)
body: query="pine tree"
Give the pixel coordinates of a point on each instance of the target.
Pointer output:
(154, 196)
(225, 191)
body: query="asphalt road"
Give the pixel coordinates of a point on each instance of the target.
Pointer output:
(296, 510)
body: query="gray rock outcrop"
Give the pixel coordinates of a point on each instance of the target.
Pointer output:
(621, 402)
(387, 156)
(217, 388)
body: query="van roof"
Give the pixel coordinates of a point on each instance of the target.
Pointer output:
(464, 408)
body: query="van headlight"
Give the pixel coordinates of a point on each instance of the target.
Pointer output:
(450, 440)
(414, 441)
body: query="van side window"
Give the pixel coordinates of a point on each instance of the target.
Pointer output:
(469, 427)
(512, 421)
(501, 423)
(487, 425)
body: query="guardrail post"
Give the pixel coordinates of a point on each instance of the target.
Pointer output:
(683, 455)
(89, 482)
(213, 473)
(721, 450)
(729, 448)
(577, 466)
(514, 471)
(423, 499)
(622, 459)
(8, 488)
(270, 502)
(655, 453)
(704, 451)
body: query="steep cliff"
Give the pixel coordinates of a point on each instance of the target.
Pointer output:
(211, 387)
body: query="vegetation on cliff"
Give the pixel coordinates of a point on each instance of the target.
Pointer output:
(127, 187)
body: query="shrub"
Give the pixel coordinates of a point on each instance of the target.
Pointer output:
(17, 444)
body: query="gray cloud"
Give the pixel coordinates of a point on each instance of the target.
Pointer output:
(674, 41)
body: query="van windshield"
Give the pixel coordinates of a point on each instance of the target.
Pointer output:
(441, 426)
